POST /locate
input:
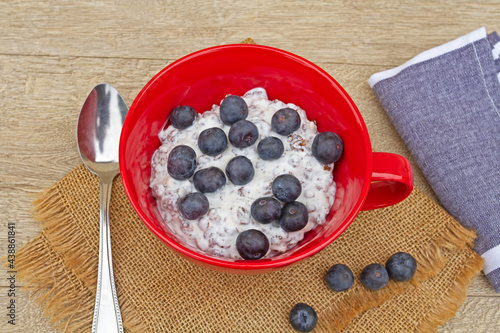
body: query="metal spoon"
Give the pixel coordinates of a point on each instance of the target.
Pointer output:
(98, 135)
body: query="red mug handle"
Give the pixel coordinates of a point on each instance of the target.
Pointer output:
(392, 181)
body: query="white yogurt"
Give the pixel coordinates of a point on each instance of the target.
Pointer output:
(229, 214)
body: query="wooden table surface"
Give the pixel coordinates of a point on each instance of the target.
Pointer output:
(52, 53)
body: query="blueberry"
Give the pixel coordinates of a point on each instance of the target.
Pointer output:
(193, 205)
(285, 121)
(401, 266)
(209, 180)
(374, 276)
(181, 162)
(243, 133)
(270, 148)
(327, 147)
(232, 109)
(240, 170)
(286, 188)
(252, 244)
(212, 141)
(294, 216)
(339, 277)
(303, 318)
(266, 210)
(182, 116)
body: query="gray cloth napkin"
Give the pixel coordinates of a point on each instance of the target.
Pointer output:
(445, 104)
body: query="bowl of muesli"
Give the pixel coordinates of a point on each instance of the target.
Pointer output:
(247, 159)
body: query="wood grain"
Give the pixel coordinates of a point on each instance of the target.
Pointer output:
(360, 32)
(53, 53)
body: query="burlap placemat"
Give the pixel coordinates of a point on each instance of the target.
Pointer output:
(158, 291)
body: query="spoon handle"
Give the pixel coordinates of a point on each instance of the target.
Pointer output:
(107, 317)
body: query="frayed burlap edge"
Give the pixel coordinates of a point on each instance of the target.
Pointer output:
(430, 261)
(248, 41)
(455, 295)
(65, 301)
(67, 272)
(417, 300)
(57, 226)
(59, 272)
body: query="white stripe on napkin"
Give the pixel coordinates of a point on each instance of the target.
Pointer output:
(496, 51)
(431, 53)
(492, 259)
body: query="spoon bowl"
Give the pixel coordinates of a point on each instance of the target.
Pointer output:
(99, 127)
(98, 136)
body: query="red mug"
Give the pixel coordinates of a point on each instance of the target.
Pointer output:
(365, 179)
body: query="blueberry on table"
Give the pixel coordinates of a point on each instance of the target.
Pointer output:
(303, 318)
(270, 148)
(212, 141)
(243, 133)
(182, 116)
(252, 244)
(193, 205)
(339, 277)
(285, 121)
(209, 180)
(286, 188)
(374, 276)
(240, 170)
(266, 210)
(401, 266)
(232, 109)
(327, 147)
(294, 216)
(181, 162)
